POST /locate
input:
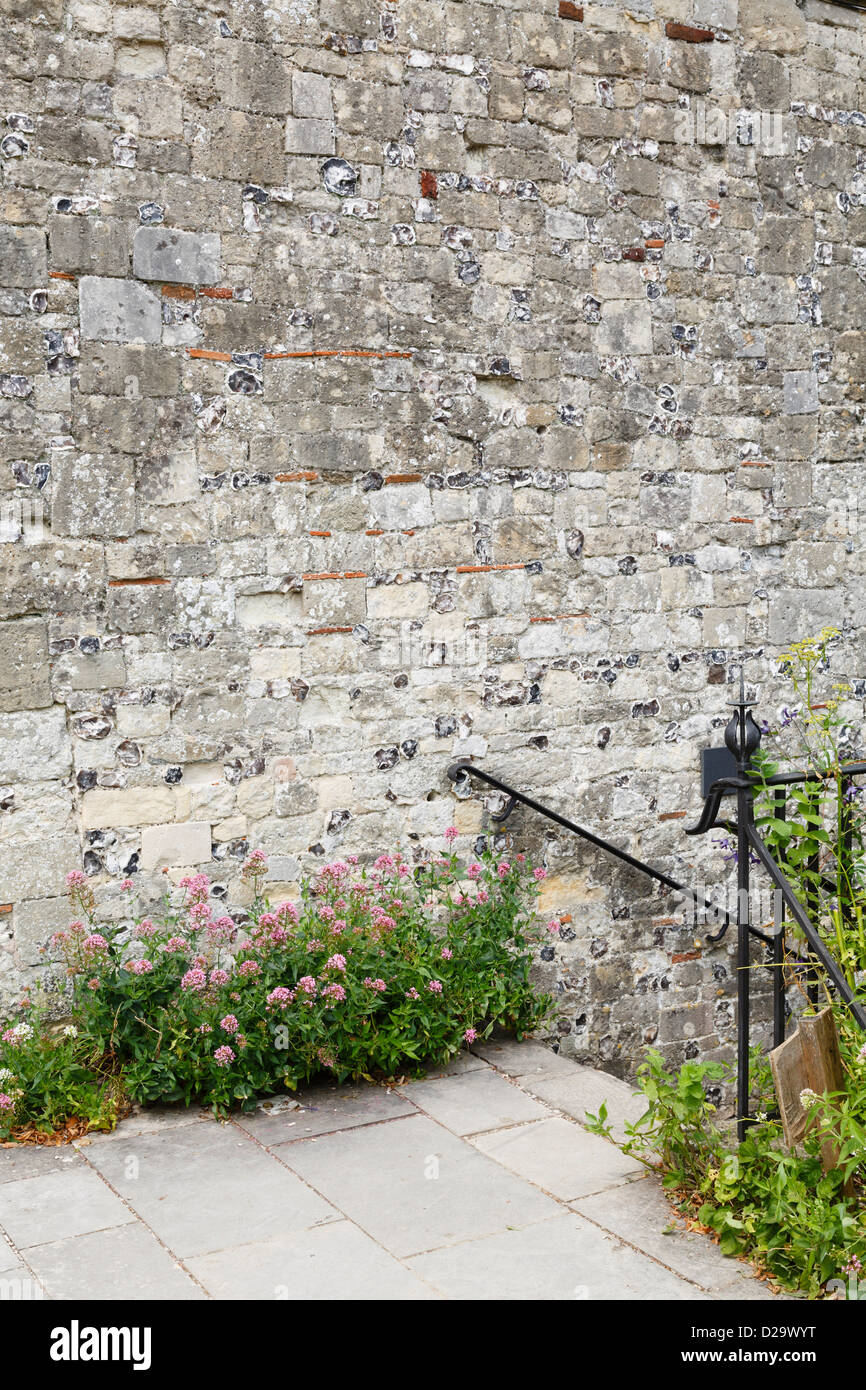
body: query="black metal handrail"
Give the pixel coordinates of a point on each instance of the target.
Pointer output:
(742, 738)
(466, 768)
(813, 937)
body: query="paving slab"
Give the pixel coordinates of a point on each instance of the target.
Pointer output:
(478, 1181)
(322, 1110)
(581, 1089)
(19, 1285)
(206, 1187)
(559, 1156)
(34, 1211)
(522, 1058)
(641, 1214)
(8, 1256)
(412, 1185)
(561, 1259)
(461, 1062)
(474, 1101)
(125, 1262)
(149, 1121)
(34, 1160)
(747, 1286)
(336, 1261)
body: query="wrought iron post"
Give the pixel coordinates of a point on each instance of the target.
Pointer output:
(778, 949)
(813, 897)
(742, 737)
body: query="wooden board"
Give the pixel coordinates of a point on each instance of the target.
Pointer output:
(808, 1060)
(821, 1054)
(789, 1075)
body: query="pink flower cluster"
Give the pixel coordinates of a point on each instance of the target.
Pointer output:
(194, 979)
(279, 998)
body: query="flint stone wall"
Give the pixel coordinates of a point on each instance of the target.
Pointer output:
(407, 381)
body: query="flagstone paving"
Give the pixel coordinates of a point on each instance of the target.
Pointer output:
(478, 1182)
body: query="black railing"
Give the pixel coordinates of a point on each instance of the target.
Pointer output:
(742, 738)
(464, 768)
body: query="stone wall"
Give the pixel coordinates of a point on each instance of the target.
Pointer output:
(389, 380)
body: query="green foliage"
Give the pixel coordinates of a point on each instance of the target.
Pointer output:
(373, 972)
(675, 1132)
(48, 1077)
(817, 834)
(779, 1208)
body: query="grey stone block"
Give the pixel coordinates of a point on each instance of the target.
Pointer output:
(522, 1059)
(182, 258)
(25, 675)
(626, 327)
(35, 868)
(44, 734)
(311, 96)
(236, 145)
(34, 924)
(801, 393)
(119, 311)
(23, 260)
(18, 1285)
(308, 136)
(93, 495)
(795, 611)
(250, 77)
(89, 245)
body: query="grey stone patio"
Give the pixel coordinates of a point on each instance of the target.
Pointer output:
(479, 1182)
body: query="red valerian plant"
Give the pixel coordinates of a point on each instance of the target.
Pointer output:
(375, 970)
